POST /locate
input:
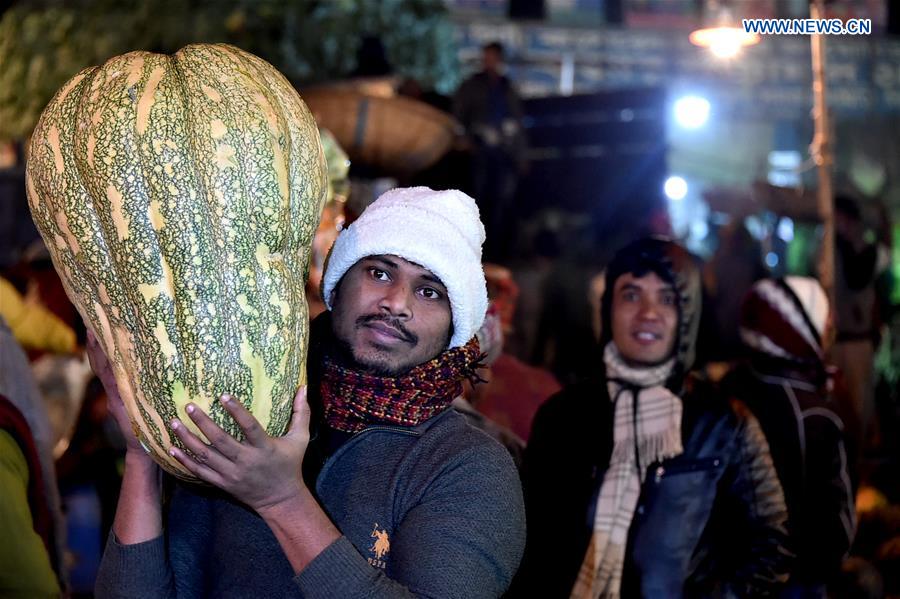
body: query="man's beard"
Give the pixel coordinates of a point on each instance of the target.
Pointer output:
(350, 360)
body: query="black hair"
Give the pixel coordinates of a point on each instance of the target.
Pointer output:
(493, 47)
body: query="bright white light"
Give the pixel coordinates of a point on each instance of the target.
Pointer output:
(786, 229)
(692, 112)
(724, 41)
(726, 46)
(676, 188)
(772, 259)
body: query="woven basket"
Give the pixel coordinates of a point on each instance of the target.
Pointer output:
(399, 135)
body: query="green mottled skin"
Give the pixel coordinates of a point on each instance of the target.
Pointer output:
(231, 235)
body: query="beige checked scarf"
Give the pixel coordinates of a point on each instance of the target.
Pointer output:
(652, 436)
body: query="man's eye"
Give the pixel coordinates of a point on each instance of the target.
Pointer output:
(379, 274)
(668, 300)
(630, 296)
(429, 293)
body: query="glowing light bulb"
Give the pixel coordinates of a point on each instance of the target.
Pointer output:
(676, 188)
(692, 112)
(726, 44)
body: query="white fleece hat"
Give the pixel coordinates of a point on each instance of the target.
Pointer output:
(439, 230)
(813, 299)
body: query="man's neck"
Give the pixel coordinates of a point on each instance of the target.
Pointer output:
(636, 372)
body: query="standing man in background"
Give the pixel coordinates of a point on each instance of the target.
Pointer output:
(488, 107)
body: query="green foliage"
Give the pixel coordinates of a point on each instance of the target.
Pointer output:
(43, 44)
(313, 41)
(38, 52)
(887, 359)
(41, 48)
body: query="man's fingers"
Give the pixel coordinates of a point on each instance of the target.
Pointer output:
(253, 432)
(222, 441)
(201, 471)
(202, 454)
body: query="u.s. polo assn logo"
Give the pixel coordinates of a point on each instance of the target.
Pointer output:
(380, 547)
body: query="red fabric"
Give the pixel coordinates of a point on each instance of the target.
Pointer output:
(514, 393)
(504, 294)
(12, 421)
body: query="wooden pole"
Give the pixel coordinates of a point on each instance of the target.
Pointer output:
(822, 155)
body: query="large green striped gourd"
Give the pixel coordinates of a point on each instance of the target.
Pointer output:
(178, 196)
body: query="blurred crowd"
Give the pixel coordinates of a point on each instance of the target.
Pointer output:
(805, 367)
(776, 343)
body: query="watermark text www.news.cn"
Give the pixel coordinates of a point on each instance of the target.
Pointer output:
(808, 26)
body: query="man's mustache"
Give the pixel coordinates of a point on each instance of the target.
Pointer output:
(394, 323)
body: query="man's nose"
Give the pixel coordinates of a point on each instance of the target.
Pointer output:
(649, 310)
(397, 301)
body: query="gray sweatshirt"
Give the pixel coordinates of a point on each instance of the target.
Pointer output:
(430, 511)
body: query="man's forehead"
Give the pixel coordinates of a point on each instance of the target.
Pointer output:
(650, 281)
(415, 269)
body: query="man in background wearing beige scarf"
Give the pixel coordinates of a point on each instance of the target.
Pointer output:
(644, 482)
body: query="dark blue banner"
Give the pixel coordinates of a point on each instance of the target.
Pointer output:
(772, 78)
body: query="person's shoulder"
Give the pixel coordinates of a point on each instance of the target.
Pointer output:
(572, 415)
(452, 433)
(713, 418)
(494, 430)
(452, 451)
(473, 80)
(583, 398)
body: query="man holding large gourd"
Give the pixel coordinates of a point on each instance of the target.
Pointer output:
(179, 195)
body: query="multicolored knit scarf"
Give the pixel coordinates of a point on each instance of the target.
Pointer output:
(354, 400)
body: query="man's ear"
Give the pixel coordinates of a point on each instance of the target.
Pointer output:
(449, 334)
(332, 297)
(335, 295)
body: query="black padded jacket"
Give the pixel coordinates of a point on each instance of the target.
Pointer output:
(709, 523)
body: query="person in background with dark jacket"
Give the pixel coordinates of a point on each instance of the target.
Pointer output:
(380, 489)
(783, 326)
(646, 482)
(489, 109)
